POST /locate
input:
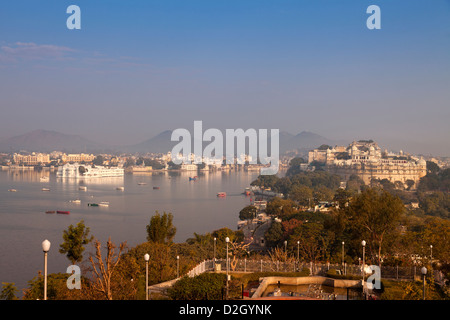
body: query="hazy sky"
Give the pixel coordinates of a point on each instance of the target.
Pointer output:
(137, 68)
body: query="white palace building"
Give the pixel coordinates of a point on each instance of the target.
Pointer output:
(366, 160)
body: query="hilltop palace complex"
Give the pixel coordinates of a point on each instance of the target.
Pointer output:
(365, 159)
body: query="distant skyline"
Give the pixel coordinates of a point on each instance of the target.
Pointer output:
(135, 70)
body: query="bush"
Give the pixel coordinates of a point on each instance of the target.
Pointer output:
(201, 287)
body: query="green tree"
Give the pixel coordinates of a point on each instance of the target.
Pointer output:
(8, 291)
(75, 238)
(248, 213)
(161, 228)
(98, 160)
(375, 213)
(302, 194)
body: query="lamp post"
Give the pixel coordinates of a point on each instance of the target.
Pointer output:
(146, 258)
(431, 253)
(46, 249)
(424, 272)
(214, 262)
(363, 243)
(227, 240)
(178, 267)
(343, 262)
(298, 254)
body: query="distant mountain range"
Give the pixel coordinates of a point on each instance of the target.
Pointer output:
(48, 141)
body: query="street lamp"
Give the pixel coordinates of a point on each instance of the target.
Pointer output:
(363, 243)
(178, 267)
(424, 272)
(431, 253)
(146, 258)
(343, 262)
(214, 262)
(227, 240)
(46, 249)
(298, 254)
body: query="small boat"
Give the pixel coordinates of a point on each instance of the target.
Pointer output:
(62, 212)
(247, 191)
(156, 188)
(104, 204)
(221, 194)
(75, 201)
(92, 204)
(12, 190)
(120, 188)
(142, 183)
(82, 188)
(45, 189)
(50, 211)
(44, 179)
(193, 178)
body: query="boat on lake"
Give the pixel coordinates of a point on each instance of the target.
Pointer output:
(104, 204)
(12, 190)
(120, 188)
(156, 188)
(45, 189)
(92, 204)
(82, 188)
(221, 194)
(76, 201)
(142, 183)
(62, 212)
(50, 211)
(193, 178)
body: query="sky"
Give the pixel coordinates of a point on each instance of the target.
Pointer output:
(137, 68)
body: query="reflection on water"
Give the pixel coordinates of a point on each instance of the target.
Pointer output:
(24, 223)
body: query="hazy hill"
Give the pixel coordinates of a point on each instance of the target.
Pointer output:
(48, 141)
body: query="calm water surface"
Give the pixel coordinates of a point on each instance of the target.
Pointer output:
(24, 223)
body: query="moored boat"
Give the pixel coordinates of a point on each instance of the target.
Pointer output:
(156, 188)
(50, 211)
(82, 188)
(221, 194)
(62, 212)
(120, 188)
(76, 201)
(45, 189)
(104, 204)
(92, 204)
(12, 190)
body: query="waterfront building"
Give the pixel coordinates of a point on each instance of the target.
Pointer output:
(87, 171)
(366, 160)
(77, 157)
(32, 159)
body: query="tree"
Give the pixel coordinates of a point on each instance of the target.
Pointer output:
(248, 213)
(161, 228)
(75, 238)
(375, 213)
(302, 194)
(274, 235)
(98, 160)
(103, 270)
(8, 291)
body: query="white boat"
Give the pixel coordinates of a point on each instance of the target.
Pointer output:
(12, 190)
(142, 183)
(83, 188)
(120, 188)
(104, 204)
(76, 201)
(44, 179)
(45, 189)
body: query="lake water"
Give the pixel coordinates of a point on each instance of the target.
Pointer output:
(24, 223)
